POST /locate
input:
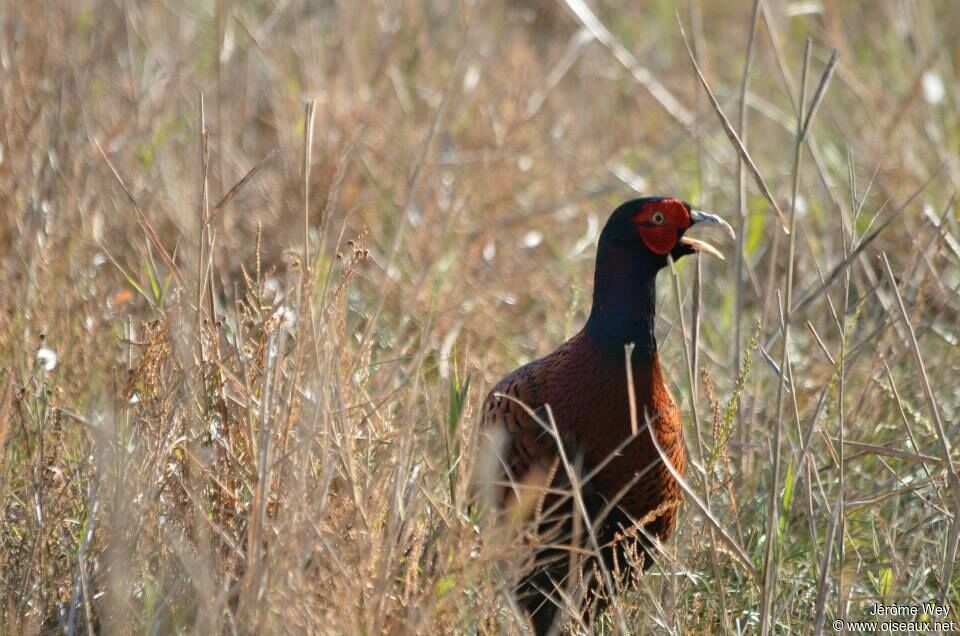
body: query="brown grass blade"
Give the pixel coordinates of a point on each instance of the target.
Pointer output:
(238, 186)
(657, 90)
(142, 219)
(732, 134)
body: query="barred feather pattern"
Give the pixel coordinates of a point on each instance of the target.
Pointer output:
(585, 386)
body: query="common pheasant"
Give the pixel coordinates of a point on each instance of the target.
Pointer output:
(582, 387)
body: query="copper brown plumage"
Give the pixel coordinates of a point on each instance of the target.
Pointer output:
(583, 387)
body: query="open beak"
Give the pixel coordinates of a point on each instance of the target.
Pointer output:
(696, 216)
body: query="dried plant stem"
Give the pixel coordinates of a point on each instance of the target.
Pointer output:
(646, 79)
(952, 479)
(741, 235)
(735, 140)
(309, 117)
(770, 555)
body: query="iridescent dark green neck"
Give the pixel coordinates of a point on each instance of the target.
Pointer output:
(624, 297)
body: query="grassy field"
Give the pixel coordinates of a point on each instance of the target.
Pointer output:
(261, 262)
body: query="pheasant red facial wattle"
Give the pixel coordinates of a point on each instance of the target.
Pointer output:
(584, 383)
(661, 223)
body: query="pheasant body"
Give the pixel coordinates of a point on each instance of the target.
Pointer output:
(583, 387)
(586, 388)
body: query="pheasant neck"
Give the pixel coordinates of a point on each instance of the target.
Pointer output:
(624, 295)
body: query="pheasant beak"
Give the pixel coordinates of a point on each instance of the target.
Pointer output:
(696, 216)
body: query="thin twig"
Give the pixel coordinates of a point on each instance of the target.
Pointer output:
(771, 555)
(732, 134)
(734, 547)
(952, 479)
(824, 569)
(631, 391)
(142, 219)
(307, 161)
(741, 233)
(235, 190)
(861, 245)
(658, 91)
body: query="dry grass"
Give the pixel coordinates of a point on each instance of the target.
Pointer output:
(234, 439)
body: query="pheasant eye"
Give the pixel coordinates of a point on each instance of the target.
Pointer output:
(657, 217)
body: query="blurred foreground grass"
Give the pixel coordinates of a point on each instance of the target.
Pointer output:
(225, 444)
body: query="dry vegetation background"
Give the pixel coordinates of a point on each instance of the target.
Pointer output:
(224, 444)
